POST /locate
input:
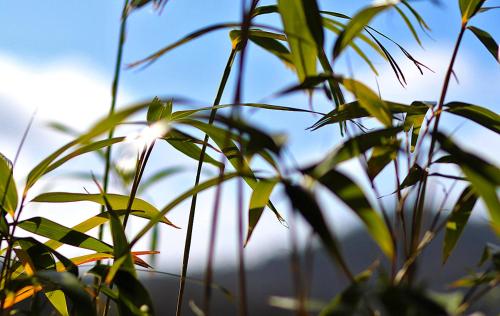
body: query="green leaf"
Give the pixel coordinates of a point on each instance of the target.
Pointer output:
(352, 195)
(302, 41)
(58, 301)
(356, 146)
(258, 201)
(414, 121)
(469, 8)
(158, 110)
(41, 256)
(117, 202)
(201, 187)
(369, 100)
(478, 114)
(484, 177)
(356, 26)
(132, 297)
(487, 40)
(72, 287)
(100, 127)
(8, 190)
(415, 174)
(381, 157)
(409, 25)
(186, 39)
(457, 220)
(354, 110)
(52, 230)
(185, 144)
(305, 203)
(268, 41)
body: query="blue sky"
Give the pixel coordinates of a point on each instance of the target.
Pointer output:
(58, 56)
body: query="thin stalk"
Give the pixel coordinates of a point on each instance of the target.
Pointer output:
(141, 165)
(114, 94)
(189, 232)
(235, 114)
(418, 215)
(5, 271)
(211, 247)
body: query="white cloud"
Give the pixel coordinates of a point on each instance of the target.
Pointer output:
(68, 90)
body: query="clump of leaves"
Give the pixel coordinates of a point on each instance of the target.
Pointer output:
(405, 134)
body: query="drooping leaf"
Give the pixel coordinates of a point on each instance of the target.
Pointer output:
(58, 300)
(55, 231)
(457, 220)
(487, 40)
(381, 156)
(483, 176)
(305, 203)
(72, 287)
(258, 201)
(42, 257)
(476, 113)
(8, 190)
(352, 195)
(414, 121)
(117, 202)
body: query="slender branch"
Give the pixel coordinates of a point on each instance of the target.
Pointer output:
(114, 95)
(418, 211)
(192, 210)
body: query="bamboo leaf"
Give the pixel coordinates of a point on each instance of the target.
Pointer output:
(356, 26)
(72, 287)
(414, 120)
(8, 190)
(117, 202)
(159, 110)
(305, 203)
(52, 230)
(487, 40)
(356, 146)
(484, 177)
(58, 301)
(370, 101)
(478, 114)
(185, 144)
(469, 8)
(381, 156)
(302, 41)
(350, 193)
(457, 220)
(258, 201)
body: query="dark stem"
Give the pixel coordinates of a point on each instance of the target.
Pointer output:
(114, 94)
(189, 232)
(418, 212)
